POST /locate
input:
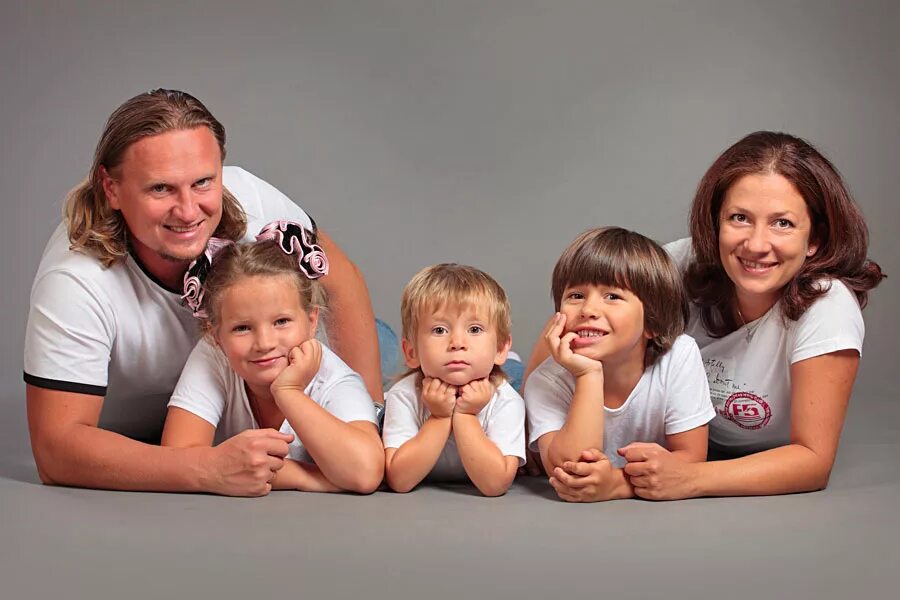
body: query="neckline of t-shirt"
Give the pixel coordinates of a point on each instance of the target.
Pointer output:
(631, 395)
(150, 275)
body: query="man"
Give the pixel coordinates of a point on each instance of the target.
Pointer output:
(107, 335)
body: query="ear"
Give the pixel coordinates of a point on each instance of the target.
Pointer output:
(313, 321)
(812, 249)
(110, 188)
(503, 352)
(409, 354)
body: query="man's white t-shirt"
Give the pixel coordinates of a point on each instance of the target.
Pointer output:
(749, 369)
(118, 332)
(503, 421)
(670, 397)
(210, 389)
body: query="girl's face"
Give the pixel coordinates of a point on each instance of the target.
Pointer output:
(260, 321)
(608, 321)
(456, 345)
(764, 239)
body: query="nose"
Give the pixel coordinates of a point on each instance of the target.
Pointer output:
(187, 208)
(458, 340)
(758, 240)
(263, 339)
(590, 307)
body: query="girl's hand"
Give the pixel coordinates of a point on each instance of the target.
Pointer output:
(474, 396)
(303, 364)
(560, 347)
(588, 480)
(657, 474)
(439, 398)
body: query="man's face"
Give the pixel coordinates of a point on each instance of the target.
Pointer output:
(169, 190)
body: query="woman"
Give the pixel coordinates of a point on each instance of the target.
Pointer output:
(777, 274)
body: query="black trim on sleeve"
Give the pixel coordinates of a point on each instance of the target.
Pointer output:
(315, 228)
(64, 386)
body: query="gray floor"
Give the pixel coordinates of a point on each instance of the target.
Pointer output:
(446, 542)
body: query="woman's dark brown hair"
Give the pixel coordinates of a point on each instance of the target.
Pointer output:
(838, 228)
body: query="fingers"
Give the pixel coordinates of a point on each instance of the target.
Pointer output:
(636, 469)
(552, 332)
(593, 455)
(562, 491)
(573, 482)
(638, 451)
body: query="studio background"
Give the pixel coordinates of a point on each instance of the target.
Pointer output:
(486, 133)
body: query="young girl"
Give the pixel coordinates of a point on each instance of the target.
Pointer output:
(454, 416)
(620, 369)
(260, 366)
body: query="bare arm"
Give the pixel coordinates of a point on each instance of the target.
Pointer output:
(820, 392)
(487, 467)
(408, 465)
(583, 428)
(350, 321)
(69, 449)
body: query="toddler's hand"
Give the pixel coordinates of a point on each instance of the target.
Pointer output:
(303, 364)
(474, 396)
(439, 398)
(560, 347)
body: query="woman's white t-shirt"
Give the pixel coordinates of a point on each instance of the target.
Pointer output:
(210, 389)
(670, 397)
(749, 369)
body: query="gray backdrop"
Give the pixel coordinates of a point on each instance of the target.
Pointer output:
(488, 133)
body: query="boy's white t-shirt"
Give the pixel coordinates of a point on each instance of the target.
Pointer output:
(503, 421)
(749, 369)
(210, 389)
(671, 397)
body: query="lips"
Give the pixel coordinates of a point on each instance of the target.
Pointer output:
(587, 336)
(456, 365)
(756, 266)
(184, 229)
(266, 362)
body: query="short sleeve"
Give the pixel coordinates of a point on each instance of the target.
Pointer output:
(401, 414)
(262, 202)
(688, 404)
(69, 336)
(547, 400)
(833, 322)
(506, 427)
(347, 398)
(202, 388)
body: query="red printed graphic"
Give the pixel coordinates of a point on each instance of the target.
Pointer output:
(747, 410)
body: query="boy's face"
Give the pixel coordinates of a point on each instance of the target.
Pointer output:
(608, 321)
(456, 345)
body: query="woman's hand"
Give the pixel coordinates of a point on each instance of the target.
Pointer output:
(303, 364)
(474, 396)
(591, 479)
(657, 474)
(560, 347)
(439, 397)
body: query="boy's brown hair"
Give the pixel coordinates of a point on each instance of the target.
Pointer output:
(629, 260)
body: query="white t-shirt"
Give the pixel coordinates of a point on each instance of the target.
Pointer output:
(670, 397)
(117, 332)
(503, 421)
(749, 369)
(210, 389)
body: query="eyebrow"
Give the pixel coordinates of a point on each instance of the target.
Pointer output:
(776, 215)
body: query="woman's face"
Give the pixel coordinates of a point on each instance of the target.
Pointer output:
(764, 238)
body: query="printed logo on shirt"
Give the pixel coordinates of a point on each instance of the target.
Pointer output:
(748, 411)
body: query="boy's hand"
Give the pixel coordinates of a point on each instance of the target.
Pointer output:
(439, 398)
(474, 396)
(656, 473)
(588, 480)
(303, 364)
(560, 347)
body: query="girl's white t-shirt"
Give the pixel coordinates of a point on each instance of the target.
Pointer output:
(503, 421)
(670, 397)
(749, 369)
(210, 389)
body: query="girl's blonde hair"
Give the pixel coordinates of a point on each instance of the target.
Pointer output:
(263, 258)
(450, 284)
(97, 229)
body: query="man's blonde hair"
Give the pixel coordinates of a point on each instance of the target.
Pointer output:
(450, 284)
(95, 228)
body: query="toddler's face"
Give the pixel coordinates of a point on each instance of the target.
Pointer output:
(456, 345)
(260, 321)
(608, 321)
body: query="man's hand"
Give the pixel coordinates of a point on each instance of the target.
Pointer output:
(657, 474)
(591, 479)
(439, 398)
(474, 396)
(303, 364)
(560, 347)
(246, 464)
